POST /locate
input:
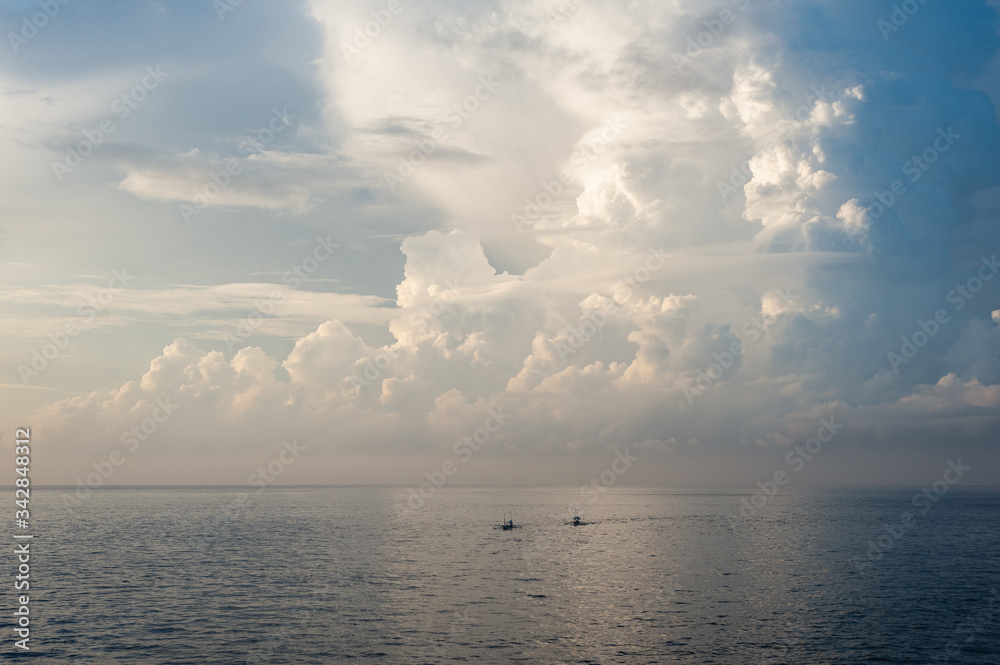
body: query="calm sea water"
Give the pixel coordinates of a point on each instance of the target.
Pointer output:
(329, 575)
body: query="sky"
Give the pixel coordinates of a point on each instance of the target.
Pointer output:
(502, 242)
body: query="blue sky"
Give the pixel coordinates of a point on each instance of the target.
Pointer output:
(565, 210)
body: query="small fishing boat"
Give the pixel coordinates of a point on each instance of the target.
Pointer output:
(508, 523)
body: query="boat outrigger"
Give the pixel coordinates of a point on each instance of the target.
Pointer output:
(508, 523)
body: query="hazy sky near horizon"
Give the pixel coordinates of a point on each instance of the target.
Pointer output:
(255, 222)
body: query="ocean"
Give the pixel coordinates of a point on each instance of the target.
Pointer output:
(353, 574)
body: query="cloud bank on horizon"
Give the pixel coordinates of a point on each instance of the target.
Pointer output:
(693, 231)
